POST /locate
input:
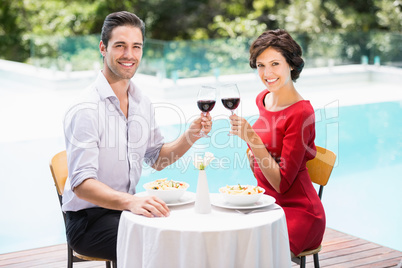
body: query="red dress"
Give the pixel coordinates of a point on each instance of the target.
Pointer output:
(289, 137)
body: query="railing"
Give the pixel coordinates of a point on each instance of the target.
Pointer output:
(182, 59)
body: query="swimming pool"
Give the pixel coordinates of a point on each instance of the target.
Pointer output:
(362, 198)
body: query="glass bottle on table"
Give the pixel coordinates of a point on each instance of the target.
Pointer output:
(230, 97)
(206, 99)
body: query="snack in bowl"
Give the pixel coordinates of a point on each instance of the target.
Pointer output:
(241, 194)
(167, 190)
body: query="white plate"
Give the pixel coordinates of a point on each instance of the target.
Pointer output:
(187, 198)
(265, 200)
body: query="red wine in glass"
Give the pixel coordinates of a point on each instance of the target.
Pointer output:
(206, 105)
(230, 97)
(206, 101)
(231, 103)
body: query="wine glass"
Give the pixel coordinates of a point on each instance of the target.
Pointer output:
(206, 99)
(230, 97)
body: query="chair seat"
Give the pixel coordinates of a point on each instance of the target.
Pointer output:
(310, 252)
(87, 258)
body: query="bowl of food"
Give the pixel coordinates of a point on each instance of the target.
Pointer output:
(241, 195)
(167, 190)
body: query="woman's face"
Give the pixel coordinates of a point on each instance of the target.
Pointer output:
(273, 70)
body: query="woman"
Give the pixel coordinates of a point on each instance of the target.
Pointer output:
(282, 139)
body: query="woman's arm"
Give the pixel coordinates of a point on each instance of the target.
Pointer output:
(250, 157)
(269, 168)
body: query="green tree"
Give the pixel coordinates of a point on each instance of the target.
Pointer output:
(24, 20)
(389, 14)
(13, 42)
(304, 16)
(357, 15)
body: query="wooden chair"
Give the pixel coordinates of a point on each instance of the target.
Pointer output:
(58, 167)
(319, 169)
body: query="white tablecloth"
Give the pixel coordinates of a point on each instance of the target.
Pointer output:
(223, 238)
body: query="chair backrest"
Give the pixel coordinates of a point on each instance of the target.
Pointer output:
(320, 168)
(58, 167)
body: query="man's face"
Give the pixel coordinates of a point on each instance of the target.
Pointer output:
(123, 54)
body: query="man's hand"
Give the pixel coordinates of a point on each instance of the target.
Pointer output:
(102, 195)
(149, 206)
(204, 122)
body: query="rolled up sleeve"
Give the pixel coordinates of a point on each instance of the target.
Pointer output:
(82, 140)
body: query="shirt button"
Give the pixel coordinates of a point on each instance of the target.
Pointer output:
(111, 107)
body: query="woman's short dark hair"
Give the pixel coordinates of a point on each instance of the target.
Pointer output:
(121, 18)
(281, 41)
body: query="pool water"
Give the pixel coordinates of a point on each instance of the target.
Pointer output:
(362, 197)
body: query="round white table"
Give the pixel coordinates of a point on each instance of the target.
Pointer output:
(223, 238)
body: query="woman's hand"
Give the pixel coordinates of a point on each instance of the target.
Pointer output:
(241, 128)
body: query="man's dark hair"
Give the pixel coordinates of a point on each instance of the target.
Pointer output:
(121, 18)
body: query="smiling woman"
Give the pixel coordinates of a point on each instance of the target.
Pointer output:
(282, 138)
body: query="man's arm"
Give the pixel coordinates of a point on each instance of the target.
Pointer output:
(100, 194)
(171, 152)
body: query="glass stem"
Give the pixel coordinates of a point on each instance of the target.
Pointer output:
(202, 128)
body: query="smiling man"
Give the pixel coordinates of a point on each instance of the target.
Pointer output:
(109, 133)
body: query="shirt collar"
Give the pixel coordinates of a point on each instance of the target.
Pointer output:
(105, 90)
(103, 87)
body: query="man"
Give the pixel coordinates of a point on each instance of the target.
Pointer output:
(108, 136)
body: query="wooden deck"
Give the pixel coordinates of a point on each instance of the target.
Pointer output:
(343, 250)
(339, 250)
